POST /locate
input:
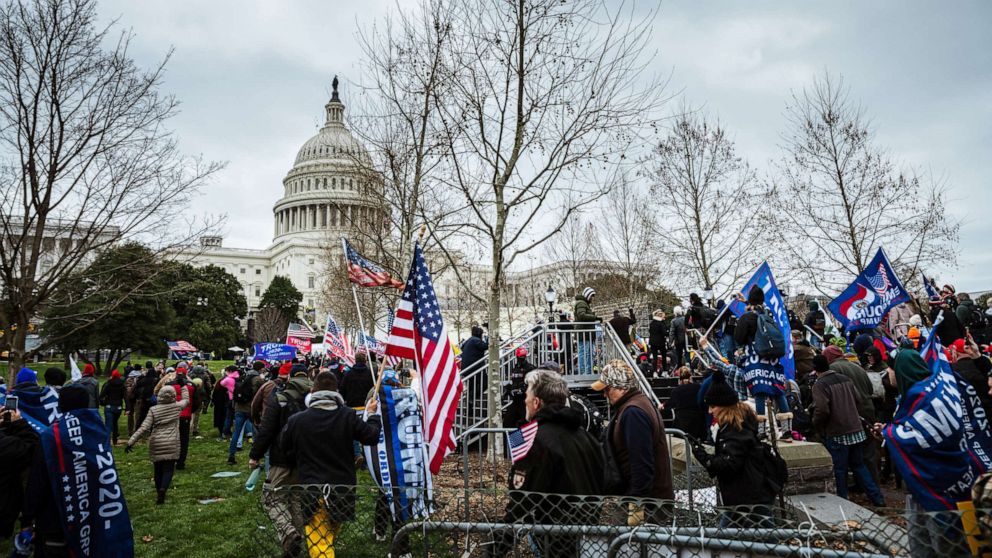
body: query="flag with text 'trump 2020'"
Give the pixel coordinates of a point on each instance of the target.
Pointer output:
(866, 302)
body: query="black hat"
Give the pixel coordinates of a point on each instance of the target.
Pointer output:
(73, 397)
(755, 296)
(820, 363)
(720, 394)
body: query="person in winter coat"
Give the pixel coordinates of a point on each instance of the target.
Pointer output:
(816, 320)
(586, 336)
(112, 399)
(319, 440)
(966, 310)
(563, 460)
(90, 384)
(969, 362)
(357, 383)
(242, 386)
(802, 355)
(835, 415)
(622, 324)
(677, 335)
(474, 348)
(277, 379)
(162, 426)
(220, 398)
(742, 487)
(636, 435)
(283, 404)
(130, 397)
(765, 377)
(862, 383)
(18, 443)
(515, 392)
(658, 339)
(683, 402)
(184, 390)
(898, 320)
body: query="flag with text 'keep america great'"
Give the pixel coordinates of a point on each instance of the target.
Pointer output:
(419, 334)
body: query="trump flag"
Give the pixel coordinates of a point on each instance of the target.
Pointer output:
(866, 302)
(775, 304)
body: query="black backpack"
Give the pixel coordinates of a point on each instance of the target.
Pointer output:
(244, 388)
(977, 319)
(707, 316)
(771, 467)
(769, 343)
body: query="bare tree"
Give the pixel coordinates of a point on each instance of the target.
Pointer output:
(545, 98)
(270, 325)
(88, 161)
(845, 197)
(707, 203)
(627, 237)
(576, 243)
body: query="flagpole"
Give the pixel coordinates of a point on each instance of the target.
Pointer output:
(323, 343)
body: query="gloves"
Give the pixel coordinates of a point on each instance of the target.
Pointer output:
(128, 448)
(700, 454)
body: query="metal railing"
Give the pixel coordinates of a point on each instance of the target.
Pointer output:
(579, 349)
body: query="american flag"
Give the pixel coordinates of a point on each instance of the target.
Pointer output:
(366, 273)
(336, 343)
(419, 333)
(299, 330)
(181, 346)
(521, 440)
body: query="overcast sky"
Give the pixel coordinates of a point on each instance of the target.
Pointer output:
(253, 77)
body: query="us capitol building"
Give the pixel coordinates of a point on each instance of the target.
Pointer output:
(321, 199)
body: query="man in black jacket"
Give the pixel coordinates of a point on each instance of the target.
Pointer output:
(319, 441)
(967, 360)
(18, 442)
(658, 338)
(621, 325)
(474, 348)
(357, 383)
(563, 460)
(144, 390)
(283, 404)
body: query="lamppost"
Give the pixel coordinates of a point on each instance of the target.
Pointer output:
(550, 296)
(708, 295)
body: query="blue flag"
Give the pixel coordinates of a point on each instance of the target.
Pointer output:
(931, 288)
(84, 482)
(939, 437)
(866, 302)
(39, 407)
(398, 462)
(274, 351)
(776, 305)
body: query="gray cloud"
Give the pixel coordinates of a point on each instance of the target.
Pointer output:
(253, 78)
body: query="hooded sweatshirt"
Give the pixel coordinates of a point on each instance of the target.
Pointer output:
(910, 368)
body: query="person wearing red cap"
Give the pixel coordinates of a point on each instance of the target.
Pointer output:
(184, 391)
(968, 361)
(112, 399)
(261, 399)
(90, 384)
(515, 393)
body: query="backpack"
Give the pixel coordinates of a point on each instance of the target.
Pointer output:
(244, 388)
(771, 467)
(977, 319)
(769, 343)
(707, 316)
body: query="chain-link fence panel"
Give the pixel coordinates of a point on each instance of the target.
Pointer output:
(323, 521)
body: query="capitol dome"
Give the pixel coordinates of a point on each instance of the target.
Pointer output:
(323, 191)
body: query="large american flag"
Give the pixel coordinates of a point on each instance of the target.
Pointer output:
(299, 330)
(181, 346)
(335, 342)
(366, 273)
(521, 440)
(419, 333)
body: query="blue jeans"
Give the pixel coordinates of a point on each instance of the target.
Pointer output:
(728, 346)
(851, 458)
(242, 422)
(111, 416)
(586, 348)
(781, 404)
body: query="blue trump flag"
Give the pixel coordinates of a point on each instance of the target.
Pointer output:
(776, 305)
(939, 437)
(84, 482)
(398, 462)
(866, 302)
(274, 351)
(40, 407)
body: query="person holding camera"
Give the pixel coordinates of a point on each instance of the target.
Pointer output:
(18, 442)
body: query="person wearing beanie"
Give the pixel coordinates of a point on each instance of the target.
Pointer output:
(164, 445)
(112, 399)
(864, 391)
(144, 392)
(736, 445)
(765, 377)
(90, 384)
(836, 417)
(636, 436)
(677, 333)
(185, 391)
(585, 334)
(262, 396)
(817, 321)
(55, 378)
(969, 362)
(26, 376)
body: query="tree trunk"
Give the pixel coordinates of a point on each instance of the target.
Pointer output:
(17, 351)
